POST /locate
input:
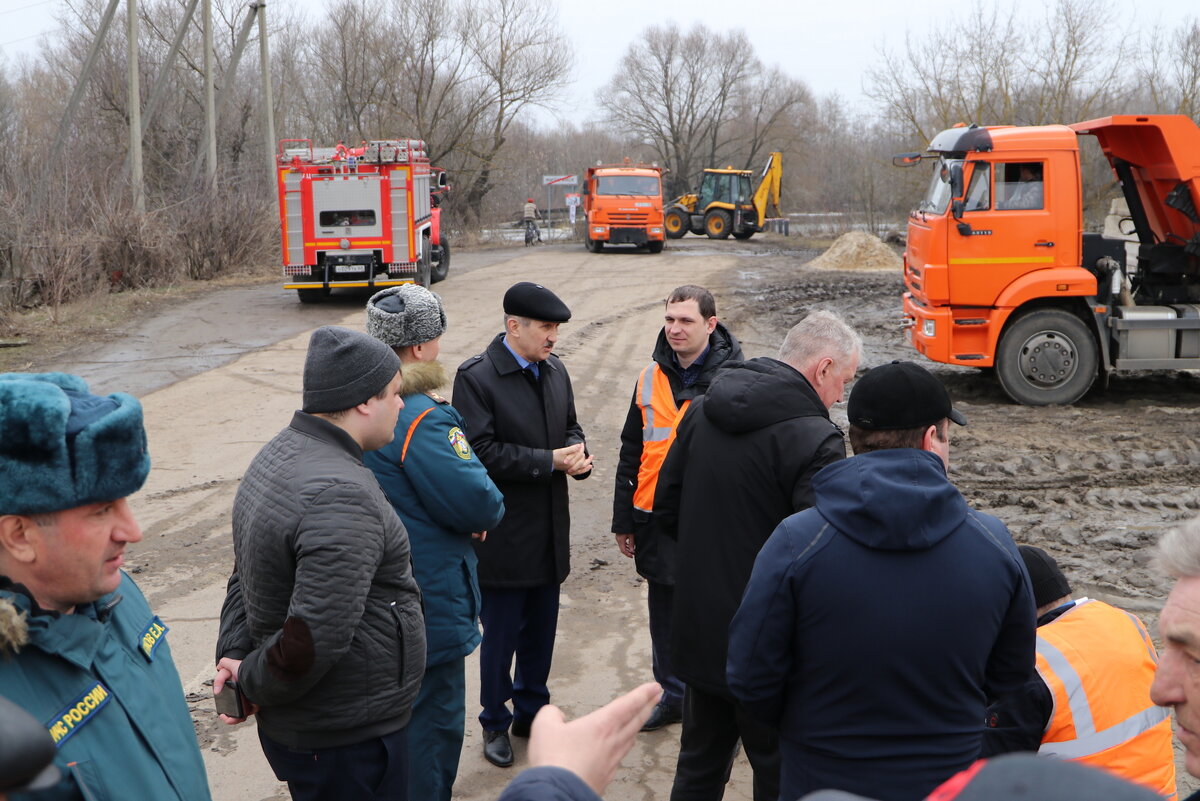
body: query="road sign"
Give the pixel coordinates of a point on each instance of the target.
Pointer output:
(560, 180)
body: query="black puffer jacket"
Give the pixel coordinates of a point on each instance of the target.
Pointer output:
(654, 557)
(743, 460)
(322, 605)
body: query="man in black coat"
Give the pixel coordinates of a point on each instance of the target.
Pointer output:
(743, 459)
(519, 409)
(690, 347)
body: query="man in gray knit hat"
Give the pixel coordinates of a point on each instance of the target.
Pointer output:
(322, 628)
(443, 494)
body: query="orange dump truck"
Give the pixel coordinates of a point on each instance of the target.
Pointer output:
(1000, 274)
(623, 206)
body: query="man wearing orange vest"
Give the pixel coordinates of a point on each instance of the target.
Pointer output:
(691, 346)
(1091, 699)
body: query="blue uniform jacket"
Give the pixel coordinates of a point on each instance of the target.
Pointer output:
(103, 682)
(877, 625)
(443, 494)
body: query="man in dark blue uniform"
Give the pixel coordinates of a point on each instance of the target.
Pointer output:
(519, 410)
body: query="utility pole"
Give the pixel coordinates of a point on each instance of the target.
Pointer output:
(210, 105)
(134, 101)
(228, 86)
(264, 67)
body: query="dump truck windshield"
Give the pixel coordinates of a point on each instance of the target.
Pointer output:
(937, 197)
(626, 185)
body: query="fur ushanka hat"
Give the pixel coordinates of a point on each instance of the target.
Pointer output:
(63, 447)
(405, 315)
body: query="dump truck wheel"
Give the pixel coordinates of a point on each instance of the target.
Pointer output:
(655, 247)
(593, 245)
(313, 295)
(1046, 357)
(441, 267)
(675, 223)
(717, 224)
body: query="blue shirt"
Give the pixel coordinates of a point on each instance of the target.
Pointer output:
(690, 373)
(522, 361)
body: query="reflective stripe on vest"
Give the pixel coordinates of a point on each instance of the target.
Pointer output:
(1098, 663)
(660, 416)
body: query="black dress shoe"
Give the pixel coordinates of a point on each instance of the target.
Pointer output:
(663, 715)
(520, 728)
(497, 749)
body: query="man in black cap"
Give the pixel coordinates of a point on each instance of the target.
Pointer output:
(322, 627)
(877, 624)
(519, 410)
(1090, 700)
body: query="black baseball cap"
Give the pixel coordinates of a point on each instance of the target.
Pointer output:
(897, 396)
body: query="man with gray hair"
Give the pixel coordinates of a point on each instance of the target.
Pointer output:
(743, 459)
(1176, 682)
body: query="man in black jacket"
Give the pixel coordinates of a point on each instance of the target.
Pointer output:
(691, 346)
(322, 625)
(743, 460)
(519, 410)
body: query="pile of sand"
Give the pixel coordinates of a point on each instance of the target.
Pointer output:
(858, 250)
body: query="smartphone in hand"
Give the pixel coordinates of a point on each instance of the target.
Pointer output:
(230, 700)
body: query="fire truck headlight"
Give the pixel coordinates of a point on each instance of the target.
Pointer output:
(345, 244)
(929, 327)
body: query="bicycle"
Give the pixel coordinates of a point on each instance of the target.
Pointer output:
(532, 234)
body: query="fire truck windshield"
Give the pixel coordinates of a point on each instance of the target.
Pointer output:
(626, 185)
(336, 218)
(937, 197)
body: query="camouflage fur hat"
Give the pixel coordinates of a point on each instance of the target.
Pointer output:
(63, 447)
(405, 315)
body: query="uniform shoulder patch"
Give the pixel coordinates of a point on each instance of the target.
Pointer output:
(436, 398)
(458, 441)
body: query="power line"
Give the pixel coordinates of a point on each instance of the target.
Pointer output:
(22, 8)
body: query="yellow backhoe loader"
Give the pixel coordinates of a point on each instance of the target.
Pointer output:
(726, 204)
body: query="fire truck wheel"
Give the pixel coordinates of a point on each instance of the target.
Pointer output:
(676, 222)
(1046, 357)
(441, 267)
(313, 295)
(717, 224)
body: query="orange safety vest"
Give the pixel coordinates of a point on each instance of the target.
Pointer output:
(660, 416)
(1098, 662)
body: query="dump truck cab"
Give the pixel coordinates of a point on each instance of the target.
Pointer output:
(623, 205)
(1000, 273)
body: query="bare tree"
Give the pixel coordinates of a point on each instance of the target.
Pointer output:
(700, 99)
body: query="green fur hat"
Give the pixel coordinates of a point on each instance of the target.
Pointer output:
(63, 447)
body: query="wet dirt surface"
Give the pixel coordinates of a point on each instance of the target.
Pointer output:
(1094, 484)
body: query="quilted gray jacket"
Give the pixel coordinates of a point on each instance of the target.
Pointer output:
(322, 605)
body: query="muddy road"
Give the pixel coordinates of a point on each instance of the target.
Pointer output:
(1094, 484)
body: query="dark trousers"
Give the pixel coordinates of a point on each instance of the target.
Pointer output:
(435, 732)
(712, 726)
(660, 598)
(366, 771)
(519, 622)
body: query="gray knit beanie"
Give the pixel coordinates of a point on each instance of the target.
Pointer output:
(345, 368)
(405, 315)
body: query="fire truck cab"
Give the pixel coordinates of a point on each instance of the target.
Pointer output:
(355, 217)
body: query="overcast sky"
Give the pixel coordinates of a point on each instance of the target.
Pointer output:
(826, 43)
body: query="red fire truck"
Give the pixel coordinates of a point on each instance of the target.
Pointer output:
(357, 217)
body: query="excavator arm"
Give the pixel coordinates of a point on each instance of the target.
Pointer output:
(768, 187)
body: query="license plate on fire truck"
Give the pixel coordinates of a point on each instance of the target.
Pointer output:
(347, 268)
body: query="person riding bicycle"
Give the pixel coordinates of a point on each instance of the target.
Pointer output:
(528, 215)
